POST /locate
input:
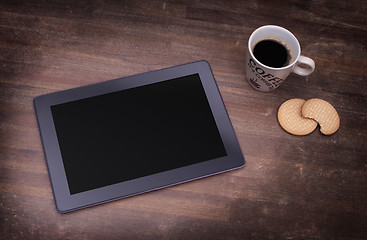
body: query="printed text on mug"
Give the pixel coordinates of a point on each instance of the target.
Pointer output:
(270, 80)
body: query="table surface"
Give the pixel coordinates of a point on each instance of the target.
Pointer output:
(292, 187)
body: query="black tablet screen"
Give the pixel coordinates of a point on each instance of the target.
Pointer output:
(119, 136)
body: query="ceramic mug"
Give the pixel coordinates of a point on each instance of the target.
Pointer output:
(265, 78)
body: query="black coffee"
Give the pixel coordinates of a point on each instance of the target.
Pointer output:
(271, 53)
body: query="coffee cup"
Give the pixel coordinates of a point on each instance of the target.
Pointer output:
(273, 53)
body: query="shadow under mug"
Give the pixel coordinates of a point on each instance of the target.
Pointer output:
(265, 78)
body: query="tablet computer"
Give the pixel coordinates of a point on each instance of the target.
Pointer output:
(135, 134)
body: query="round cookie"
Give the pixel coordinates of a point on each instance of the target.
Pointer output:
(291, 119)
(324, 113)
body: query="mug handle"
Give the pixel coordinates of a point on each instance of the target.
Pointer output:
(304, 61)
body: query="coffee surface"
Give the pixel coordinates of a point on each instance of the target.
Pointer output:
(271, 53)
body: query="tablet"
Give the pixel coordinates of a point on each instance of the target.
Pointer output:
(135, 134)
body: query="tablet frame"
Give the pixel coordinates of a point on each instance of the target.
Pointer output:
(65, 202)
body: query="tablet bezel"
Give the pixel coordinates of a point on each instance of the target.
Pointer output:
(65, 202)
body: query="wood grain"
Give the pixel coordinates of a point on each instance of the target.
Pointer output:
(310, 187)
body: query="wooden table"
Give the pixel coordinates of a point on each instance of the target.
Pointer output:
(292, 187)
